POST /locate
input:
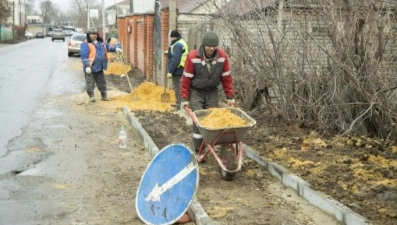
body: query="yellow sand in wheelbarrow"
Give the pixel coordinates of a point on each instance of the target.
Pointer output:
(228, 133)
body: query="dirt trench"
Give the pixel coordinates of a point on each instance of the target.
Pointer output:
(357, 171)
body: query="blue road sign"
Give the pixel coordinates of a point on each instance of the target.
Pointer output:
(167, 186)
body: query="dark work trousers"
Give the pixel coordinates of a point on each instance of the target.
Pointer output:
(97, 78)
(201, 99)
(176, 85)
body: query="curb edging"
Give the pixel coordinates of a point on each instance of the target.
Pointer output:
(327, 204)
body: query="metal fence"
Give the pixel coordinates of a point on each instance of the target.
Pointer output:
(6, 33)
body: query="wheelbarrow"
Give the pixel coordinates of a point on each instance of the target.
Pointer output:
(229, 139)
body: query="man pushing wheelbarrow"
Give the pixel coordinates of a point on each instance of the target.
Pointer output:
(205, 69)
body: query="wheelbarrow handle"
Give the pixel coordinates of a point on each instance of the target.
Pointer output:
(190, 113)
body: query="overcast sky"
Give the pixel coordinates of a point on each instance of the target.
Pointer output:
(67, 2)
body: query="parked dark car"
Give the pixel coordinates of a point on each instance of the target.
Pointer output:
(39, 35)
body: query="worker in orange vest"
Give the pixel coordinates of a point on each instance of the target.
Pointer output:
(94, 55)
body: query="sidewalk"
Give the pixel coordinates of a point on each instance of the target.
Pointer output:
(13, 42)
(4, 45)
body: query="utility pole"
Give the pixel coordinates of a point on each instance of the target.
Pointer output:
(103, 21)
(131, 6)
(20, 13)
(88, 16)
(172, 26)
(280, 19)
(13, 13)
(172, 16)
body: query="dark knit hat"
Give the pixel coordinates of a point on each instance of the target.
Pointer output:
(92, 31)
(210, 39)
(175, 34)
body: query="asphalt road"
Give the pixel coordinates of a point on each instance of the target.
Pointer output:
(59, 160)
(30, 70)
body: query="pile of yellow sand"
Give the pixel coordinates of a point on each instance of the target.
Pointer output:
(117, 68)
(147, 97)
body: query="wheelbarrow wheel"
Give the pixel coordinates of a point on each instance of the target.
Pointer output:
(228, 157)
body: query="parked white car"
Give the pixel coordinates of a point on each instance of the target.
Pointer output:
(28, 35)
(75, 42)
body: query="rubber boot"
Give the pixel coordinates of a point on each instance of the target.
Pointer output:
(91, 95)
(105, 96)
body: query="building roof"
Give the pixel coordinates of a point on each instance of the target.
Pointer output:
(183, 6)
(122, 3)
(238, 7)
(125, 2)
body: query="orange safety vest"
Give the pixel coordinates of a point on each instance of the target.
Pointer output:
(92, 54)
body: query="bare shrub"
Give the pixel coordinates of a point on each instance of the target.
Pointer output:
(324, 63)
(19, 31)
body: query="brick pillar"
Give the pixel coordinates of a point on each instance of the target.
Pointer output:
(164, 38)
(149, 18)
(138, 45)
(135, 40)
(122, 29)
(129, 22)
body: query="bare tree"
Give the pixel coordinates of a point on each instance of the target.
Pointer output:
(359, 85)
(29, 4)
(5, 10)
(47, 11)
(78, 12)
(320, 63)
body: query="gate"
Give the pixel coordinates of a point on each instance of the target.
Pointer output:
(6, 33)
(157, 44)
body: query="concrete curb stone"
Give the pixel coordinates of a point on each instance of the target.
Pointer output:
(342, 213)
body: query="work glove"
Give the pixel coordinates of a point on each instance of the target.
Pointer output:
(119, 50)
(88, 70)
(169, 75)
(184, 103)
(230, 102)
(165, 53)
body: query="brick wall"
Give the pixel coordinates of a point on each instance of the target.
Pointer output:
(138, 44)
(132, 39)
(165, 43)
(122, 33)
(140, 38)
(148, 48)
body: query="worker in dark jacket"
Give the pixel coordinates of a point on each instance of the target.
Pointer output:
(94, 55)
(205, 69)
(177, 53)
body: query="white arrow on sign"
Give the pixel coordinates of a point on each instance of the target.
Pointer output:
(159, 190)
